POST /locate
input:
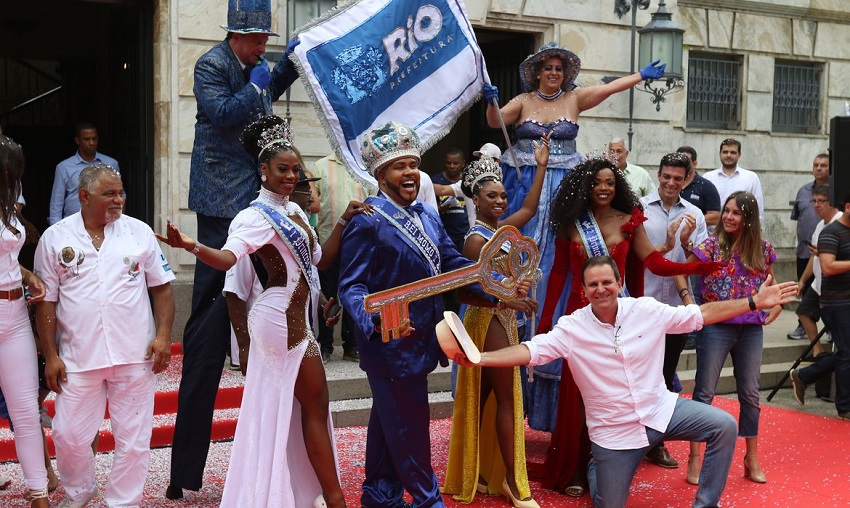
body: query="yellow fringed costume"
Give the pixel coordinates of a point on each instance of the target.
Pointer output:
(474, 447)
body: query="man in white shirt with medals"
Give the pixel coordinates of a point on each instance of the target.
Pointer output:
(101, 337)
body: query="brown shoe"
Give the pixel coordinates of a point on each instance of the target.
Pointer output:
(661, 457)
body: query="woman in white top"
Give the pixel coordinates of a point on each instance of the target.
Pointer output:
(18, 361)
(284, 421)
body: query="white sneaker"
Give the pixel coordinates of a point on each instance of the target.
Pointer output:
(70, 503)
(797, 334)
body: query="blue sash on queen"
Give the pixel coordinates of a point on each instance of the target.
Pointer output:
(591, 236)
(292, 235)
(409, 229)
(487, 233)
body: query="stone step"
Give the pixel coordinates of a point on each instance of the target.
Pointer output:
(351, 412)
(786, 351)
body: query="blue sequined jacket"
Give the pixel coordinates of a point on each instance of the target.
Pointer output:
(224, 178)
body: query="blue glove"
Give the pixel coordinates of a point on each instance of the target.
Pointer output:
(290, 46)
(653, 70)
(260, 75)
(490, 92)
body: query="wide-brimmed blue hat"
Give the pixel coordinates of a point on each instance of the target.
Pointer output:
(528, 68)
(249, 17)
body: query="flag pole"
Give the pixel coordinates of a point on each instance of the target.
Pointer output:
(507, 138)
(289, 88)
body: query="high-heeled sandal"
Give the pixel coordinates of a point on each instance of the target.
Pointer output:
(528, 503)
(694, 467)
(320, 502)
(753, 476)
(482, 488)
(33, 495)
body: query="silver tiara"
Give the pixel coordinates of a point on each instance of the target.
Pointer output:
(276, 135)
(484, 167)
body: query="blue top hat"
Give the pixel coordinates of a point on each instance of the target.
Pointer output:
(249, 17)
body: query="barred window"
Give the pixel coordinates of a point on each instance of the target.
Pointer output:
(714, 91)
(797, 97)
(304, 11)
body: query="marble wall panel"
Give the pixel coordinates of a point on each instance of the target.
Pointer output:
(760, 70)
(838, 79)
(763, 34)
(695, 23)
(476, 10)
(720, 27)
(804, 37)
(506, 6)
(832, 41)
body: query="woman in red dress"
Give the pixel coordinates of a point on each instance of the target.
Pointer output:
(595, 213)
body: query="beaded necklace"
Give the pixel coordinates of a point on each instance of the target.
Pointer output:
(485, 225)
(550, 97)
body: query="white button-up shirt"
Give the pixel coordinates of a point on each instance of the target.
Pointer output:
(103, 311)
(639, 180)
(658, 219)
(622, 384)
(741, 180)
(817, 271)
(10, 247)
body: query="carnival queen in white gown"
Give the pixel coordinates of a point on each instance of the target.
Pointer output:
(283, 454)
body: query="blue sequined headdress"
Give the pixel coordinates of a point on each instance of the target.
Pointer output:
(390, 141)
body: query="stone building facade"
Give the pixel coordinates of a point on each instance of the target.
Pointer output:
(761, 41)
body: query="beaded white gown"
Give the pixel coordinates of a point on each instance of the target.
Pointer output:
(269, 466)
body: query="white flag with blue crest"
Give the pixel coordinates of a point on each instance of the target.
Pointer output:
(372, 61)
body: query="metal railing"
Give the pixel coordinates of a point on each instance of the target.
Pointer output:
(797, 97)
(714, 92)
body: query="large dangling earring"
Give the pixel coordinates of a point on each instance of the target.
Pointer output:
(263, 177)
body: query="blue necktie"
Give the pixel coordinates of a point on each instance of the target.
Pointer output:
(415, 208)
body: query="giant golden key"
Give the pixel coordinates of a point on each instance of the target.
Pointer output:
(522, 261)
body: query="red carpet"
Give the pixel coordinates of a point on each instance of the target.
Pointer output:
(227, 404)
(804, 457)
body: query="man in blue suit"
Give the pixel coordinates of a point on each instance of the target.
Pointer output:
(402, 242)
(233, 87)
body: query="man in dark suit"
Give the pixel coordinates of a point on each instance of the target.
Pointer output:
(402, 242)
(233, 87)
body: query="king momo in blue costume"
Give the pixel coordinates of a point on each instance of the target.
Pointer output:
(551, 102)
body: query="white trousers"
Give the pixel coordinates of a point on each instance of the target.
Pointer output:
(19, 382)
(79, 412)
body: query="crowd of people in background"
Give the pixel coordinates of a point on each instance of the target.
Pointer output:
(285, 253)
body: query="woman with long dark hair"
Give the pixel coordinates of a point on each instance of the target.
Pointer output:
(18, 360)
(595, 213)
(747, 263)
